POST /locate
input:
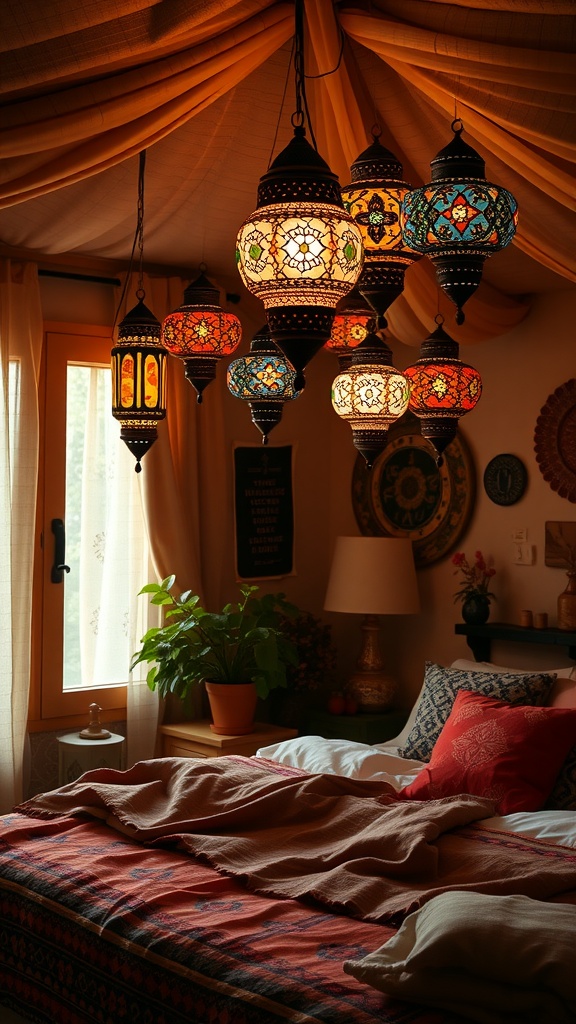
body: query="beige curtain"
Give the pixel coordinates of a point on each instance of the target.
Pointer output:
(20, 349)
(179, 473)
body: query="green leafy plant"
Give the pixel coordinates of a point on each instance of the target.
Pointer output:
(243, 643)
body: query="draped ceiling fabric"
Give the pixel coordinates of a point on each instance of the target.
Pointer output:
(207, 88)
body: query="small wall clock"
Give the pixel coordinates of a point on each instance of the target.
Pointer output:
(505, 479)
(406, 494)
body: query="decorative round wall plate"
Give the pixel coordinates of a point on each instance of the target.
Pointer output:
(555, 440)
(406, 494)
(505, 479)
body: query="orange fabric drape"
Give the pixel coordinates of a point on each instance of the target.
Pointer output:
(62, 135)
(84, 89)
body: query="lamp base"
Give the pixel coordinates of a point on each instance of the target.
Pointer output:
(370, 685)
(374, 692)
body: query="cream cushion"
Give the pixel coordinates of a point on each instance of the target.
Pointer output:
(493, 959)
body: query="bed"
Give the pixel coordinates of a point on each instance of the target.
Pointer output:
(319, 882)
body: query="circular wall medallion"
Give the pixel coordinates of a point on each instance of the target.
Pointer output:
(555, 440)
(406, 494)
(505, 479)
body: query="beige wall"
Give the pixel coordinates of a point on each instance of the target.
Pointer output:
(519, 371)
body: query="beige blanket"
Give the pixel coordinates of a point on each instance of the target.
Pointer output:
(350, 844)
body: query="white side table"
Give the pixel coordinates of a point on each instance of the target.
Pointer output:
(76, 755)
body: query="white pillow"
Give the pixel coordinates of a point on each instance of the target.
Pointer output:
(492, 959)
(321, 756)
(487, 666)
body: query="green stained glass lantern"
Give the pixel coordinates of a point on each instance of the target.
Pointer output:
(265, 380)
(442, 388)
(352, 323)
(374, 200)
(459, 219)
(201, 333)
(300, 252)
(371, 395)
(138, 379)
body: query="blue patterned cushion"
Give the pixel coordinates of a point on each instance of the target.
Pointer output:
(563, 796)
(439, 693)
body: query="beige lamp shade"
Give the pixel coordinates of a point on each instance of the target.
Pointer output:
(373, 576)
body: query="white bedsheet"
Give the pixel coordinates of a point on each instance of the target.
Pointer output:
(317, 755)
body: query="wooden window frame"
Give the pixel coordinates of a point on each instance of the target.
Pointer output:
(49, 707)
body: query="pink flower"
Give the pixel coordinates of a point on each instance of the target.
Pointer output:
(475, 577)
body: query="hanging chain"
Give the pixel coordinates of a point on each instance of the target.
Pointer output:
(140, 293)
(298, 115)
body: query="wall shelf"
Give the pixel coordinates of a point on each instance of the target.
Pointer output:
(479, 638)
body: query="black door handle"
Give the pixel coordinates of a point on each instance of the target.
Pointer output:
(59, 567)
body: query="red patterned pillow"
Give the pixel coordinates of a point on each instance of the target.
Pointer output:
(509, 754)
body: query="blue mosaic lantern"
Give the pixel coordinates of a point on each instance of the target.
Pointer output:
(265, 379)
(458, 219)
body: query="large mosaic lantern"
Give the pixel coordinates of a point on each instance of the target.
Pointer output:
(458, 219)
(265, 380)
(300, 252)
(201, 332)
(138, 379)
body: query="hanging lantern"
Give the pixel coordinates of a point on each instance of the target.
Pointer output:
(442, 388)
(265, 379)
(374, 199)
(352, 323)
(300, 251)
(200, 333)
(459, 219)
(138, 379)
(371, 395)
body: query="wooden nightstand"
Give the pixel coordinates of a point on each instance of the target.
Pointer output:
(360, 728)
(196, 739)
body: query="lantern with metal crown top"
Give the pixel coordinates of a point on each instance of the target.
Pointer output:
(138, 362)
(300, 252)
(458, 219)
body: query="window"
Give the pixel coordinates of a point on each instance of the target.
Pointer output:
(92, 618)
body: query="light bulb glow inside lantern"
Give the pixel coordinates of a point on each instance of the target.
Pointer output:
(138, 363)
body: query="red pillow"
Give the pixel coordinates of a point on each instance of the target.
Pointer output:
(509, 754)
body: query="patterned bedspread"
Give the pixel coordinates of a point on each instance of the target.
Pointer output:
(96, 926)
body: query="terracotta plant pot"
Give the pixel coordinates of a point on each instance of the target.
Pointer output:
(233, 706)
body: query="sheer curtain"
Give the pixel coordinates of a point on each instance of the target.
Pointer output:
(20, 350)
(114, 561)
(173, 480)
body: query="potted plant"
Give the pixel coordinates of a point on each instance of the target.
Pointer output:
(240, 653)
(474, 589)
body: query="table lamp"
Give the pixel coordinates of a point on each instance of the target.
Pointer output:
(372, 576)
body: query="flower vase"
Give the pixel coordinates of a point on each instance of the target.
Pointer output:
(476, 609)
(567, 604)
